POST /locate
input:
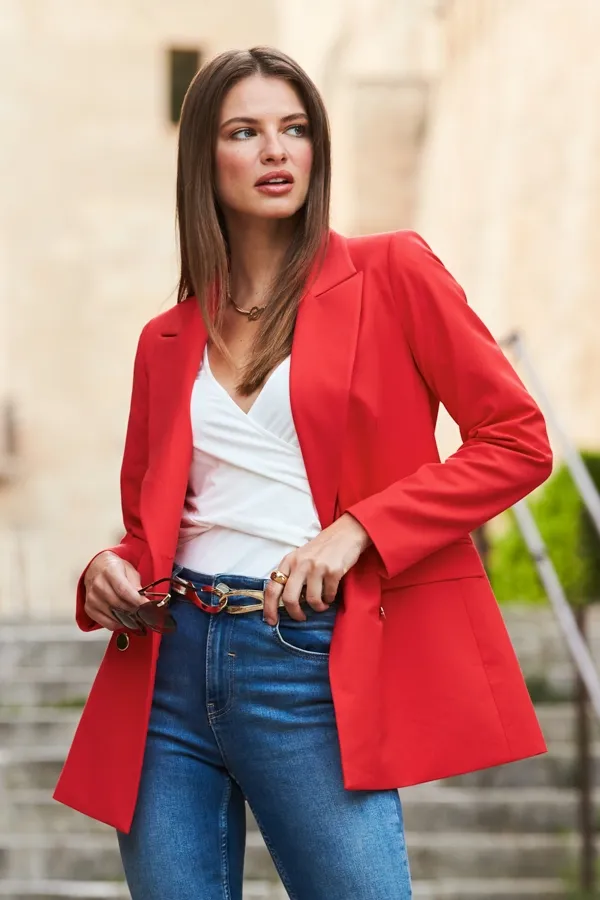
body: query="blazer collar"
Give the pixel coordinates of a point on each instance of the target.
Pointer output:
(336, 266)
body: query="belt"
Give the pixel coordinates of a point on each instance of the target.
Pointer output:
(188, 591)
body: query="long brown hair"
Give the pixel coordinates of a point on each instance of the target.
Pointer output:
(202, 234)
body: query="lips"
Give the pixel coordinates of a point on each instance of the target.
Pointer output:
(282, 176)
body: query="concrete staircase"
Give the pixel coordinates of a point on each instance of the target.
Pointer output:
(492, 835)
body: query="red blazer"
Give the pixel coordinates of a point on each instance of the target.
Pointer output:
(432, 688)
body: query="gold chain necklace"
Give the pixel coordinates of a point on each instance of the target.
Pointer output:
(254, 313)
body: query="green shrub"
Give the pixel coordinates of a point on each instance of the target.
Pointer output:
(570, 537)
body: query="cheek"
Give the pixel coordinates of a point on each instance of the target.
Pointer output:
(232, 171)
(303, 160)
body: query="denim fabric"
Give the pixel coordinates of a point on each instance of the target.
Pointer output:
(242, 710)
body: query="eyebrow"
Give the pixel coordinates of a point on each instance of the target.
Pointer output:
(249, 121)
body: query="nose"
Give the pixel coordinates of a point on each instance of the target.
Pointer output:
(273, 149)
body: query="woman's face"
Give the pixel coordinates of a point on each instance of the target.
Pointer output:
(263, 130)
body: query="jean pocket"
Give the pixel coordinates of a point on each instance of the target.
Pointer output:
(310, 639)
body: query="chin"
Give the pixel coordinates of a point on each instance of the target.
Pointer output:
(277, 213)
(273, 211)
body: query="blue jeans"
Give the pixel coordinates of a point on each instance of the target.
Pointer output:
(242, 711)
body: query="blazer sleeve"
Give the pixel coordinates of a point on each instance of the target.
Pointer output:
(133, 468)
(505, 451)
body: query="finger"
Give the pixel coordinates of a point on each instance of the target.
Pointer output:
(123, 589)
(273, 592)
(291, 595)
(314, 592)
(103, 619)
(131, 574)
(123, 578)
(103, 597)
(331, 585)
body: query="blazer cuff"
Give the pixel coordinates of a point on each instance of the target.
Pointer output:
(368, 513)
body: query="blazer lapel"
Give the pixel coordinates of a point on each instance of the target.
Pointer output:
(322, 361)
(176, 360)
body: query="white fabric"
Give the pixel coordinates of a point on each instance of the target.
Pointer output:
(248, 501)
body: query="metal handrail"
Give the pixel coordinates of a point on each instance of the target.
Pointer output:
(535, 544)
(581, 476)
(558, 599)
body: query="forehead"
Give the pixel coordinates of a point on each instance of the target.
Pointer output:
(261, 97)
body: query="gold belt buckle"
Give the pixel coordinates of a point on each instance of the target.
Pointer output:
(221, 590)
(244, 608)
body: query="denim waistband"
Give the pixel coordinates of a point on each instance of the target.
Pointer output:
(231, 579)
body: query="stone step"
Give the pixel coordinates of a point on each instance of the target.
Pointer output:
(442, 856)
(558, 721)
(427, 809)
(52, 645)
(37, 726)
(434, 808)
(39, 767)
(31, 767)
(490, 889)
(53, 889)
(557, 768)
(537, 637)
(45, 686)
(501, 889)
(432, 856)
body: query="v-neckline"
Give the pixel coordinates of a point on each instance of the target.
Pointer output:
(226, 392)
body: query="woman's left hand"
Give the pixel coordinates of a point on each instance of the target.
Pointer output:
(319, 565)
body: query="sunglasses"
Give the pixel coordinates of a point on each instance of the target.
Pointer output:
(151, 616)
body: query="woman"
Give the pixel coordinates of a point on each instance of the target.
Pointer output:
(335, 635)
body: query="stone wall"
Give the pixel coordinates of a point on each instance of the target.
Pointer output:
(509, 191)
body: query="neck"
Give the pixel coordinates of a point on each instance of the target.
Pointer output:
(257, 252)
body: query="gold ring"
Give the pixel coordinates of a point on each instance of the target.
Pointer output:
(279, 577)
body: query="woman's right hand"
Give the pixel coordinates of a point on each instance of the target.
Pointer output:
(110, 582)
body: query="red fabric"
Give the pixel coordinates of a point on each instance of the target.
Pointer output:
(433, 689)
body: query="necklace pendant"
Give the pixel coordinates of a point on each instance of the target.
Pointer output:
(255, 313)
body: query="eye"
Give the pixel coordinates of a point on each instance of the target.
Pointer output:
(303, 129)
(242, 131)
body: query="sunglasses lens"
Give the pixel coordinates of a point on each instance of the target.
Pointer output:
(124, 618)
(158, 618)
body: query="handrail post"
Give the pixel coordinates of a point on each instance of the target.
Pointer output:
(558, 600)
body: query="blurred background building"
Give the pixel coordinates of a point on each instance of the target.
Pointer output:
(471, 121)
